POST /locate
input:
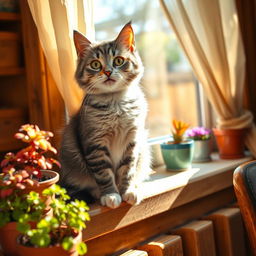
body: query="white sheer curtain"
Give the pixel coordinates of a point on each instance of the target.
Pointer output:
(55, 21)
(209, 33)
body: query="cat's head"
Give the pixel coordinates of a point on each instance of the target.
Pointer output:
(109, 66)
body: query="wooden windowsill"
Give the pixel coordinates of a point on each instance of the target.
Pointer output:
(165, 191)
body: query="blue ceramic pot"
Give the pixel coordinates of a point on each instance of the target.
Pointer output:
(178, 157)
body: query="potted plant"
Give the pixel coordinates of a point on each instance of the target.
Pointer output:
(202, 143)
(27, 170)
(230, 142)
(58, 233)
(178, 152)
(15, 205)
(33, 160)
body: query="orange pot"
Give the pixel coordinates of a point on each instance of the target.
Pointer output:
(9, 233)
(8, 236)
(49, 251)
(230, 142)
(54, 178)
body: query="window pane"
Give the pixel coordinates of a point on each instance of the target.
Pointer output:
(168, 81)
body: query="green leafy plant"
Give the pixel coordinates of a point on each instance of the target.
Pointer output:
(178, 131)
(16, 207)
(23, 169)
(67, 220)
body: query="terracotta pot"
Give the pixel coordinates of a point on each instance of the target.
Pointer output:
(8, 233)
(230, 142)
(54, 178)
(49, 251)
(8, 236)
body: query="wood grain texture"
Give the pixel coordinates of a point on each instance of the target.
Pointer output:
(163, 192)
(164, 245)
(35, 73)
(197, 238)
(130, 236)
(229, 232)
(46, 107)
(246, 207)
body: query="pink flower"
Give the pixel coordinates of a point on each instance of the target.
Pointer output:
(199, 133)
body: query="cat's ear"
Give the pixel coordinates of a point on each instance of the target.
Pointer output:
(81, 43)
(126, 37)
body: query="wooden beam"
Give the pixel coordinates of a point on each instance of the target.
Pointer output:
(197, 238)
(164, 245)
(35, 71)
(130, 236)
(46, 107)
(229, 232)
(164, 191)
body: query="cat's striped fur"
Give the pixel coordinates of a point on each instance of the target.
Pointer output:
(104, 147)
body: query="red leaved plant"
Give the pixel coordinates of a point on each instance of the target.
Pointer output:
(23, 169)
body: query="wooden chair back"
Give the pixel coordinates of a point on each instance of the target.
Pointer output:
(244, 180)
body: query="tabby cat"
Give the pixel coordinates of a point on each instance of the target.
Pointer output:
(104, 147)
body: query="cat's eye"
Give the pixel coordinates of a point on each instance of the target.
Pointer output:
(118, 61)
(95, 64)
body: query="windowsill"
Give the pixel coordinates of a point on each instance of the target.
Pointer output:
(165, 191)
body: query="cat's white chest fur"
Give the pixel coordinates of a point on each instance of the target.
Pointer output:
(118, 145)
(126, 120)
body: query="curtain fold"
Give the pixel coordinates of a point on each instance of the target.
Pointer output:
(209, 33)
(55, 21)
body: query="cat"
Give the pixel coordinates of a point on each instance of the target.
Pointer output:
(104, 148)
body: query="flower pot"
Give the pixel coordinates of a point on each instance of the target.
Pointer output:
(178, 157)
(202, 151)
(8, 236)
(53, 179)
(230, 142)
(49, 251)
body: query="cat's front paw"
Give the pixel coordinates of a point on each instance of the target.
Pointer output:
(132, 197)
(112, 200)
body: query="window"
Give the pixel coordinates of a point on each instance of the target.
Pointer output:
(169, 84)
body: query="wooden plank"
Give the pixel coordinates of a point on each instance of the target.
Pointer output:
(46, 107)
(134, 253)
(163, 192)
(56, 107)
(197, 238)
(165, 245)
(35, 70)
(130, 236)
(229, 232)
(11, 71)
(9, 16)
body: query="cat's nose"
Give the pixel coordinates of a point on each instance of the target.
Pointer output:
(107, 73)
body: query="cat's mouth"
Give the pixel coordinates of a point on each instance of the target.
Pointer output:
(109, 81)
